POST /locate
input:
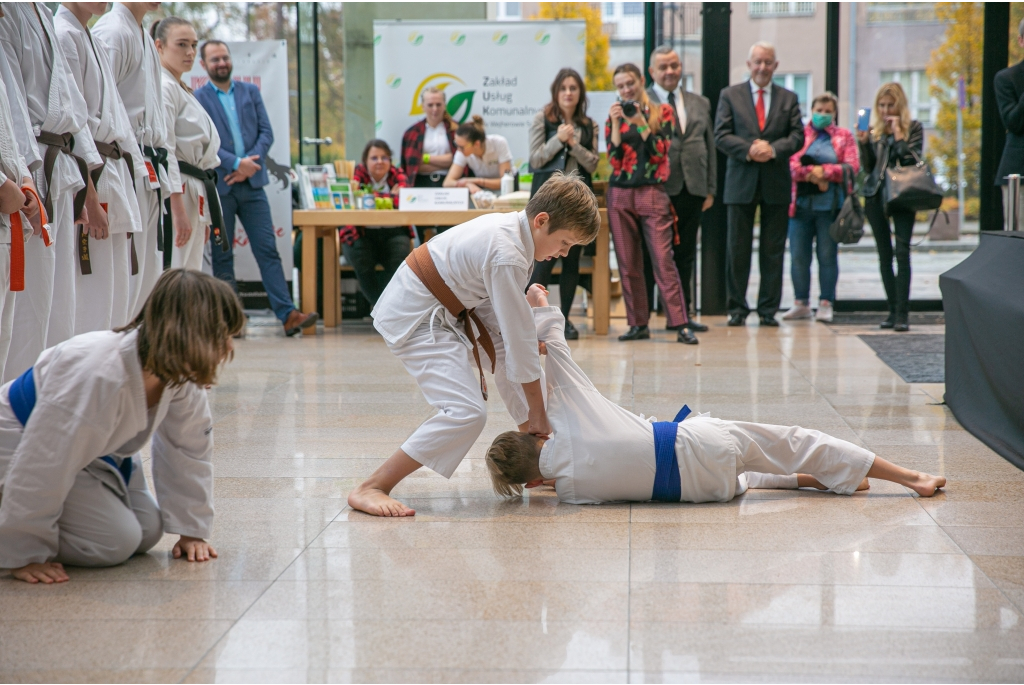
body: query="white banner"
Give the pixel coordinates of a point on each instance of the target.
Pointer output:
(264, 63)
(503, 72)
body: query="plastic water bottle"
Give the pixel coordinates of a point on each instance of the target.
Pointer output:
(508, 183)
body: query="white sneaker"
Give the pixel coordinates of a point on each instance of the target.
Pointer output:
(824, 311)
(798, 311)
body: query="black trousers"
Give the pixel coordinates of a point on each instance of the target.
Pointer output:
(385, 246)
(771, 254)
(897, 286)
(425, 181)
(689, 209)
(567, 280)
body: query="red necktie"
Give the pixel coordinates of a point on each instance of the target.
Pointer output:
(760, 108)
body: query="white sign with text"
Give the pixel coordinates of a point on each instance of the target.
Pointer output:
(433, 199)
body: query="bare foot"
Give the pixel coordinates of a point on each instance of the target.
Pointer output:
(864, 485)
(377, 503)
(926, 484)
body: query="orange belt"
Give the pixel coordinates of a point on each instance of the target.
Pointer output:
(422, 264)
(18, 243)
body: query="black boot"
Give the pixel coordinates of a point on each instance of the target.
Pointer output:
(902, 322)
(570, 331)
(890, 321)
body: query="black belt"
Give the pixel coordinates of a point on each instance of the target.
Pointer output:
(165, 227)
(113, 151)
(57, 143)
(209, 179)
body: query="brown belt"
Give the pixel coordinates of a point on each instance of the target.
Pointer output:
(422, 264)
(57, 143)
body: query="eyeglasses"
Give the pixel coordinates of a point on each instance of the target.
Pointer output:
(377, 160)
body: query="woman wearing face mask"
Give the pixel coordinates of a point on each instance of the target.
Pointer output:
(388, 246)
(563, 138)
(894, 138)
(639, 134)
(818, 194)
(192, 137)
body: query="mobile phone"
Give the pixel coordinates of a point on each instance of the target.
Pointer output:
(864, 119)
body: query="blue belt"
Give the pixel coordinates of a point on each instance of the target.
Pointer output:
(22, 395)
(667, 487)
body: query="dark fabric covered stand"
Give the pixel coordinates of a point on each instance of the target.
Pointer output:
(983, 297)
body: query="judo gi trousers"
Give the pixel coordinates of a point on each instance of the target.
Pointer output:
(101, 297)
(32, 308)
(443, 366)
(6, 306)
(65, 249)
(713, 446)
(151, 260)
(190, 255)
(103, 522)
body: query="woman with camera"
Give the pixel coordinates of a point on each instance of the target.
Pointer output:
(563, 138)
(893, 139)
(638, 136)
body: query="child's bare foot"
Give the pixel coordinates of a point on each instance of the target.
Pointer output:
(864, 485)
(926, 484)
(377, 503)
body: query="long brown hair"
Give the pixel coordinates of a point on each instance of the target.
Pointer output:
(654, 118)
(185, 326)
(553, 112)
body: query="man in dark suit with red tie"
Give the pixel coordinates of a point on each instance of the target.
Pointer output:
(758, 127)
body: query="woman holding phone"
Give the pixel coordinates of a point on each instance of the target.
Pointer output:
(563, 138)
(894, 138)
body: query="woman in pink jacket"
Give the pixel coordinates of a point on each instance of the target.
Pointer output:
(818, 194)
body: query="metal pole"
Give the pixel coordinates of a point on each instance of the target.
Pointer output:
(853, 65)
(961, 97)
(1013, 202)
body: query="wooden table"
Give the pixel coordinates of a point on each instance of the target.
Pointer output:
(323, 224)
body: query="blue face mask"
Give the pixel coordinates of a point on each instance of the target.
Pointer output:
(820, 120)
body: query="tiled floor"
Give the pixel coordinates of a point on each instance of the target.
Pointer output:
(775, 585)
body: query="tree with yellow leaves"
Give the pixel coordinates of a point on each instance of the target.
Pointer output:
(959, 56)
(598, 77)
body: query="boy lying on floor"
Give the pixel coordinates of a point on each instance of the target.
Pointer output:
(599, 452)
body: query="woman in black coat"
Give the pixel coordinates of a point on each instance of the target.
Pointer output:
(894, 139)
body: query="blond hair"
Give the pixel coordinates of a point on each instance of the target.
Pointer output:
(512, 461)
(654, 118)
(570, 204)
(895, 91)
(433, 90)
(185, 326)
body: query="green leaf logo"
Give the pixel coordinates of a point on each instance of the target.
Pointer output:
(394, 81)
(542, 37)
(377, 39)
(461, 102)
(458, 38)
(416, 38)
(377, 126)
(500, 38)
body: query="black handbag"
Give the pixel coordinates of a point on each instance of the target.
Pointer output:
(911, 188)
(848, 228)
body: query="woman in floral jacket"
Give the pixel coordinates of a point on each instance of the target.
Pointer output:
(818, 194)
(638, 206)
(388, 245)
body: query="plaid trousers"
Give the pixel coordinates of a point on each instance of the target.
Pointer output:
(637, 214)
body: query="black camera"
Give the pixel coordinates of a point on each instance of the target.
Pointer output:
(629, 108)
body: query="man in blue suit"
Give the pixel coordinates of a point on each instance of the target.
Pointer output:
(245, 138)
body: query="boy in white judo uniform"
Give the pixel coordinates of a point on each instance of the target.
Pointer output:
(72, 490)
(599, 452)
(102, 284)
(136, 67)
(467, 284)
(45, 311)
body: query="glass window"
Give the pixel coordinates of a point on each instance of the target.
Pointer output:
(509, 10)
(608, 8)
(780, 9)
(632, 8)
(799, 84)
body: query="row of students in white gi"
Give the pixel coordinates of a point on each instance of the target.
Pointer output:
(101, 168)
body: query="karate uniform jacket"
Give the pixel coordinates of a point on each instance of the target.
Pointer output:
(487, 263)
(137, 71)
(91, 402)
(192, 138)
(90, 68)
(12, 164)
(599, 452)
